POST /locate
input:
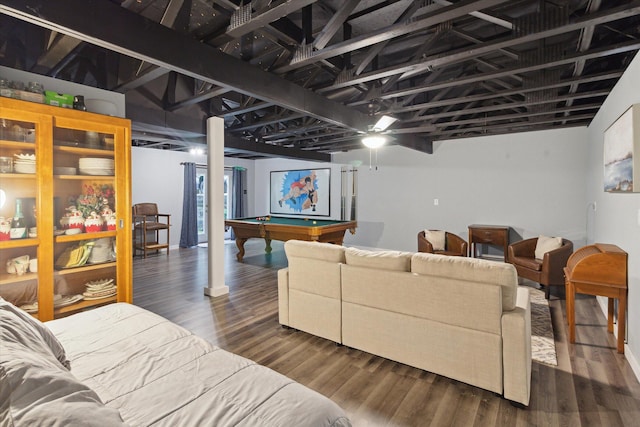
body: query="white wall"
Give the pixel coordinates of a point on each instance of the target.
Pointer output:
(616, 219)
(262, 182)
(158, 177)
(533, 182)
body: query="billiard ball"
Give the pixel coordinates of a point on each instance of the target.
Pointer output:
(314, 222)
(306, 219)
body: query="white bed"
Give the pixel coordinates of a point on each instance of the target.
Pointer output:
(152, 373)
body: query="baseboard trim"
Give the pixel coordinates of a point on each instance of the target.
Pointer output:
(628, 354)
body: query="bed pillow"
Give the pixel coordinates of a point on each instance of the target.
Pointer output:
(35, 389)
(546, 244)
(29, 322)
(437, 238)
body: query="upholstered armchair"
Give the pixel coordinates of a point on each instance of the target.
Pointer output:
(453, 245)
(547, 271)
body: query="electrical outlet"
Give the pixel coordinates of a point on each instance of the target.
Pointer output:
(436, 202)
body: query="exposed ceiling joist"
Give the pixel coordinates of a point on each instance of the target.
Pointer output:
(444, 69)
(112, 27)
(237, 145)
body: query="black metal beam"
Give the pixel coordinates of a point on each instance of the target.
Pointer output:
(591, 54)
(479, 50)
(415, 142)
(112, 27)
(461, 8)
(237, 145)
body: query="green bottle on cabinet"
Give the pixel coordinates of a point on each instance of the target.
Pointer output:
(18, 224)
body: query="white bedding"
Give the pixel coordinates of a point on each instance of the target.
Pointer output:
(156, 373)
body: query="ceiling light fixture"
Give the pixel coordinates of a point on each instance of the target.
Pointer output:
(383, 123)
(373, 141)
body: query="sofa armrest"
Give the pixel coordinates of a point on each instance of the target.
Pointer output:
(283, 296)
(555, 261)
(457, 244)
(516, 349)
(523, 248)
(423, 244)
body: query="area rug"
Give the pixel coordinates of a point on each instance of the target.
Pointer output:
(543, 348)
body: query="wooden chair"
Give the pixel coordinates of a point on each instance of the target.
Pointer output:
(148, 222)
(454, 245)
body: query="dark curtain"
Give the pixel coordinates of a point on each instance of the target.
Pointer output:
(189, 233)
(238, 199)
(239, 208)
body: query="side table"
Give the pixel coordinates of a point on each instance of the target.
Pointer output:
(497, 235)
(599, 269)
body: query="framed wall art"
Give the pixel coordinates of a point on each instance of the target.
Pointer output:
(622, 153)
(301, 192)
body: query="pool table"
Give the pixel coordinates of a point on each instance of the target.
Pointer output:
(282, 228)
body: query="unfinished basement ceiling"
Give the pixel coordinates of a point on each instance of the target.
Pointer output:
(305, 78)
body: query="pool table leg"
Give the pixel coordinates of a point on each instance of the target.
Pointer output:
(240, 244)
(267, 247)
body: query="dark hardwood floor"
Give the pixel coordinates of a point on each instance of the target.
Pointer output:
(591, 386)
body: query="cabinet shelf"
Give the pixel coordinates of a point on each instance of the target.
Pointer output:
(81, 305)
(85, 268)
(83, 150)
(18, 176)
(19, 243)
(86, 177)
(84, 236)
(6, 278)
(17, 144)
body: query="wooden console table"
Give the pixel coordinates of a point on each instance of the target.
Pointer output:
(497, 235)
(601, 270)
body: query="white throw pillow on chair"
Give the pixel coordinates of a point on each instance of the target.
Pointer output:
(546, 244)
(437, 238)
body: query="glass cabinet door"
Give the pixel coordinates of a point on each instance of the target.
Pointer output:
(84, 203)
(21, 180)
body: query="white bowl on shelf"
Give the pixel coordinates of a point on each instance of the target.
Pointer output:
(65, 170)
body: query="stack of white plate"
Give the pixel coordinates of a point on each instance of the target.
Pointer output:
(95, 166)
(102, 251)
(98, 289)
(64, 300)
(24, 163)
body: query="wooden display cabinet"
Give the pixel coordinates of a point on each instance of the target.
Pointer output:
(60, 138)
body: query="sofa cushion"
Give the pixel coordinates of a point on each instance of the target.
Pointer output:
(471, 270)
(530, 263)
(315, 250)
(437, 238)
(384, 260)
(546, 244)
(35, 326)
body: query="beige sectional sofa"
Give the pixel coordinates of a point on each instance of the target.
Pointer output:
(463, 318)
